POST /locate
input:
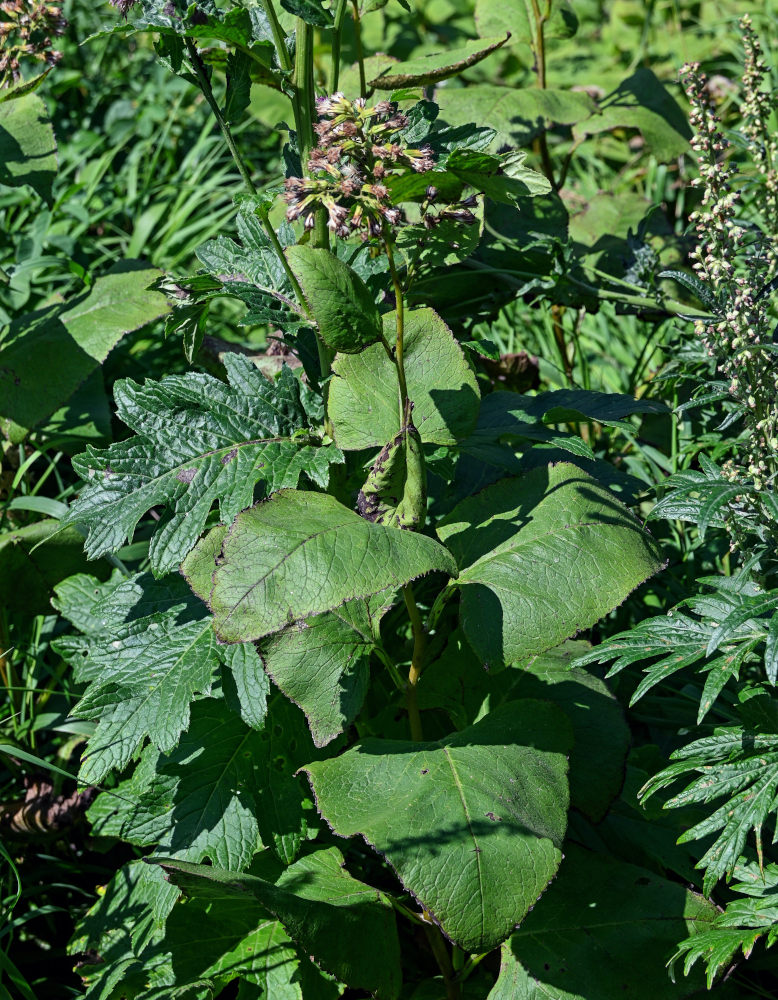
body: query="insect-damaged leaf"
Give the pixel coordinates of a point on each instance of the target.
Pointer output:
(301, 553)
(472, 823)
(395, 492)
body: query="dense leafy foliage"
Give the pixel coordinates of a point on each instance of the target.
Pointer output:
(331, 569)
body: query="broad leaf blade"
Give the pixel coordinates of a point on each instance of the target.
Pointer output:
(323, 665)
(472, 824)
(74, 338)
(363, 397)
(605, 929)
(300, 554)
(28, 150)
(542, 558)
(344, 309)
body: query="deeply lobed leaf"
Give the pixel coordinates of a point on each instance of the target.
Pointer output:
(197, 442)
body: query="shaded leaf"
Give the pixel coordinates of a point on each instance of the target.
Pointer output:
(28, 150)
(605, 929)
(641, 102)
(323, 665)
(200, 800)
(472, 823)
(334, 917)
(517, 116)
(33, 560)
(75, 338)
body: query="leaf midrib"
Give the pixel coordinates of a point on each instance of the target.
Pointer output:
(466, 810)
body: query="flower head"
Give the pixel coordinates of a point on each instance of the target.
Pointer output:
(360, 153)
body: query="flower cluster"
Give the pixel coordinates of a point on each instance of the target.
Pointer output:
(27, 28)
(761, 140)
(740, 339)
(360, 150)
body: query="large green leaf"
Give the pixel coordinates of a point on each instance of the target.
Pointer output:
(344, 309)
(472, 823)
(423, 71)
(198, 441)
(49, 353)
(301, 553)
(494, 16)
(541, 558)
(457, 683)
(199, 801)
(517, 116)
(606, 929)
(28, 150)
(641, 102)
(363, 398)
(323, 664)
(601, 735)
(335, 918)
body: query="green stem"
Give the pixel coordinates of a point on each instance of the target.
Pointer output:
(360, 50)
(399, 308)
(304, 106)
(279, 41)
(340, 13)
(438, 946)
(205, 86)
(539, 50)
(417, 663)
(302, 86)
(670, 306)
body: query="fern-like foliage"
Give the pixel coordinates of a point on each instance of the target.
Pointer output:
(717, 633)
(739, 764)
(742, 924)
